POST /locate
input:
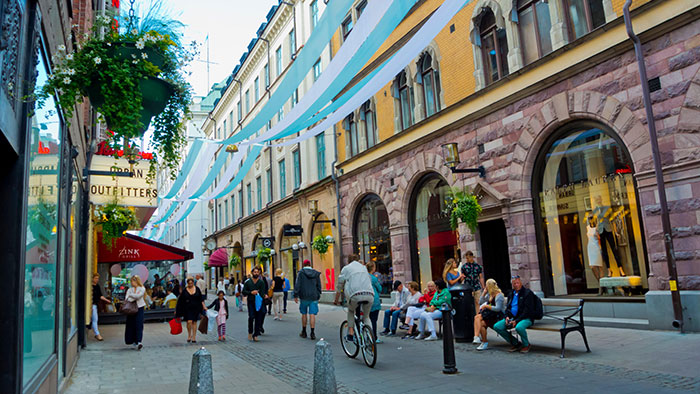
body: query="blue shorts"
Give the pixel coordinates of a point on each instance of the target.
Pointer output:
(307, 307)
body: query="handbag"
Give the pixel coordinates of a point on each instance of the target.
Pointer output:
(175, 326)
(129, 308)
(488, 314)
(203, 324)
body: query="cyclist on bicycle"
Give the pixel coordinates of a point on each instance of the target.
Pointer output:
(357, 286)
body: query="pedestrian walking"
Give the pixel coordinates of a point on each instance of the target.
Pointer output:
(307, 288)
(255, 290)
(221, 306)
(238, 292)
(270, 284)
(286, 290)
(96, 298)
(133, 334)
(189, 307)
(220, 286)
(202, 286)
(278, 293)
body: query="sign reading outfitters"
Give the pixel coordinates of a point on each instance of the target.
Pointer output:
(130, 191)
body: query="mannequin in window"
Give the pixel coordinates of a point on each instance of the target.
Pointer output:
(603, 214)
(595, 257)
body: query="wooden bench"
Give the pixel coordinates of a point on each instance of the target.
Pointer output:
(565, 316)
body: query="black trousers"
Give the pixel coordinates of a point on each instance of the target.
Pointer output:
(134, 328)
(606, 237)
(255, 318)
(285, 302)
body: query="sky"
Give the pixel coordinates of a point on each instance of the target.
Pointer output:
(230, 24)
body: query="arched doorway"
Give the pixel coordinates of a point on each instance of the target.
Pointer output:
(289, 256)
(432, 238)
(372, 239)
(239, 271)
(587, 211)
(321, 227)
(250, 261)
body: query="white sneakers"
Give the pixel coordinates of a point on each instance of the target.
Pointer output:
(483, 346)
(477, 340)
(432, 338)
(420, 336)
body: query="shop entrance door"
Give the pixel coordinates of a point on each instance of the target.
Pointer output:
(494, 250)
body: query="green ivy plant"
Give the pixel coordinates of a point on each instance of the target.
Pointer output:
(206, 265)
(42, 219)
(463, 206)
(112, 69)
(115, 220)
(263, 255)
(234, 261)
(320, 244)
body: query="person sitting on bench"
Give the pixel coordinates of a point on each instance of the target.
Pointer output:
(432, 312)
(520, 314)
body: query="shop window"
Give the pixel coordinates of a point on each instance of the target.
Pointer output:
(351, 135)
(42, 242)
(583, 16)
(372, 239)
(403, 93)
(432, 240)
(535, 27)
(370, 120)
(324, 263)
(430, 81)
(289, 259)
(494, 47)
(588, 212)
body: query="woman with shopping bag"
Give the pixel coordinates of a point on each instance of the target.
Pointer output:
(220, 305)
(133, 333)
(189, 307)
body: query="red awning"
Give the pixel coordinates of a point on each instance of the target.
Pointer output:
(219, 258)
(132, 248)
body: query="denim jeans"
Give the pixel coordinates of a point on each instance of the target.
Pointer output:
(521, 328)
(394, 317)
(94, 320)
(426, 321)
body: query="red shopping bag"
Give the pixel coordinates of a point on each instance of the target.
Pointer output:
(176, 326)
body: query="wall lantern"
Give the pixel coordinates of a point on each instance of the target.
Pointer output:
(451, 153)
(313, 207)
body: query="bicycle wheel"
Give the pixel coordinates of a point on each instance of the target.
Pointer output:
(369, 348)
(350, 348)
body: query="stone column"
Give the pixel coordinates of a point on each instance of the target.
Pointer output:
(401, 253)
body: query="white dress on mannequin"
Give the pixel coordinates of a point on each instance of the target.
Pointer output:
(595, 257)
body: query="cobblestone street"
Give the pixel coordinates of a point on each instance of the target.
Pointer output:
(622, 361)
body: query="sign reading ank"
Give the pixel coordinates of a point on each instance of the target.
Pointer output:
(129, 191)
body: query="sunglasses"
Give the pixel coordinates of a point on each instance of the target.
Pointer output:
(515, 277)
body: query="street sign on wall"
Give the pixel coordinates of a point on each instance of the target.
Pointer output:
(130, 191)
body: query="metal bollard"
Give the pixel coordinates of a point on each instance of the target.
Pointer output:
(448, 346)
(324, 371)
(201, 377)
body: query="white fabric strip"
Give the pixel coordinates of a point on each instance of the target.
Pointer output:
(201, 168)
(228, 174)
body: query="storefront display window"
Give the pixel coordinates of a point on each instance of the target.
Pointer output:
(289, 258)
(372, 238)
(324, 263)
(115, 279)
(42, 227)
(588, 213)
(432, 238)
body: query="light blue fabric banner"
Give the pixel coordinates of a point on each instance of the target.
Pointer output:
(213, 173)
(167, 214)
(190, 159)
(331, 18)
(245, 167)
(188, 211)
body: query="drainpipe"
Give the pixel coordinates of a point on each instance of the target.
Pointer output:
(337, 197)
(665, 220)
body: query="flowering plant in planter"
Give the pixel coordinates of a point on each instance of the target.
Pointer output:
(320, 244)
(463, 206)
(115, 220)
(130, 77)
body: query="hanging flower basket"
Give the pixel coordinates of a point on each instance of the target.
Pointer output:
(463, 206)
(320, 244)
(234, 261)
(134, 80)
(115, 220)
(263, 255)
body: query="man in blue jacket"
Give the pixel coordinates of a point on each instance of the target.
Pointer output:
(520, 314)
(308, 288)
(285, 290)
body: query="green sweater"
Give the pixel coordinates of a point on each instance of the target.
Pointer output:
(249, 286)
(442, 297)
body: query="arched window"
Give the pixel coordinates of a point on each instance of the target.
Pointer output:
(432, 238)
(350, 127)
(367, 114)
(430, 80)
(321, 226)
(372, 238)
(535, 27)
(587, 210)
(287, 257)
(403, 93)
(494, 47)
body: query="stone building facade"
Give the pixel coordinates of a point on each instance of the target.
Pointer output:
(518, 127)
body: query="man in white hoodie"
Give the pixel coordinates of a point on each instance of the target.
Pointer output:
(355, 282)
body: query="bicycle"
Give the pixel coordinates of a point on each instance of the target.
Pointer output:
(362, 340)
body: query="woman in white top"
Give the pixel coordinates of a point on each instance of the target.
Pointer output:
(133, 335)
(220, 286)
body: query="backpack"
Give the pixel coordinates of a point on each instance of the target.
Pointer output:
(539, 311)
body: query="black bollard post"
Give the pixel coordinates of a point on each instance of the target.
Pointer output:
(448, 346)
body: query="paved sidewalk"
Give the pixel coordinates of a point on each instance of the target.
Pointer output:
(623, 361)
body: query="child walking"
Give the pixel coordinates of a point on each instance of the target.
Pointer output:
(221, 306)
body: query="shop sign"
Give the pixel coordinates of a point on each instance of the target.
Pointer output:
(267, 242)
(129, 191)
(292, 230)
